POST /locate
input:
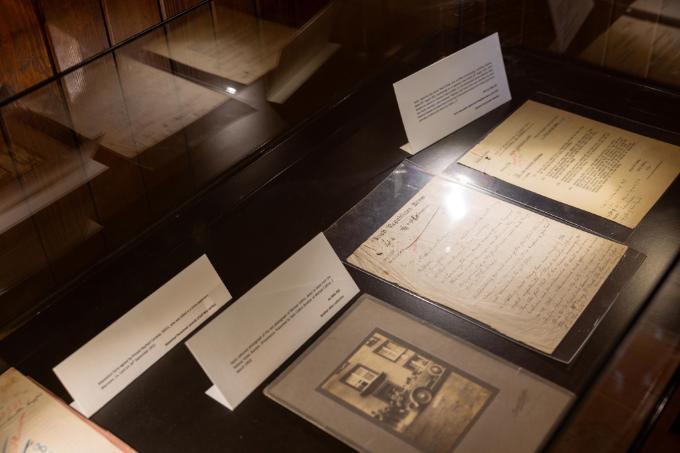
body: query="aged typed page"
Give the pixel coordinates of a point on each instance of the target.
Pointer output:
(233, 45)
(34, 421)
(599, 168)
(522, 274)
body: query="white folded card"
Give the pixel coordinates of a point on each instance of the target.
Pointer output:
(452, 92)
(245, 344)
(105, 365)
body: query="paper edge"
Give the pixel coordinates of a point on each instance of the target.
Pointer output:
(214, 393)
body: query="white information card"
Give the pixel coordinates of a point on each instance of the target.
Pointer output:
(452, 92)
(241, 347)
(105, 365)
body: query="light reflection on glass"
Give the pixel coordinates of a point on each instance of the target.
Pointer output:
(455, 205)
(463, 179)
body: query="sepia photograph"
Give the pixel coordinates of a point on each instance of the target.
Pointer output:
(382, 381)
(417, 397)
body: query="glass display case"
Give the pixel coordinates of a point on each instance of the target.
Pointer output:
(241, 129)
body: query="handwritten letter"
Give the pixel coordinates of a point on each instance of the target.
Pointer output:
(522, 274)
(34, 421)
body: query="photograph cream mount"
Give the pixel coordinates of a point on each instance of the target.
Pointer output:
(380, 379)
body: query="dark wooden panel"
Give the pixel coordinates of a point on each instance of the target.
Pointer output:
(57, 191)
(246, 6)
(21, 255)
(505, 18)
(22, 301)
(538, 31)
(75, 29)
(70, 234)
(473, 20)
(24, 60)
(128, 17)
(171, 8)
(119, 197)
(295, 12)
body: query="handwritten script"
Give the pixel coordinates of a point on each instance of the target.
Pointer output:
(522, 274)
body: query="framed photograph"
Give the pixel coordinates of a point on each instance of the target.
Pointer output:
(382, 380)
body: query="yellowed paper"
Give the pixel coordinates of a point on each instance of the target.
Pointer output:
(522, 274)
(599, 168)
(33, 421)
(235, 46)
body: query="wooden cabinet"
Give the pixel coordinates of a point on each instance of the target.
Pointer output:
(171, 8)
(75, 29)
(24, 60)
(125, 18)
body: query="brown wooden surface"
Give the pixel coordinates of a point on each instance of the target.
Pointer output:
(537, 28)
(506, 19)
(171, 8)
(119, 196)
(473, 19)
(246, 6)
(294, 13)
(619, 404)
(21, 252)
(70, 233)
(23, 58)
(125, 18)
(665, 435)
(75, 29)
